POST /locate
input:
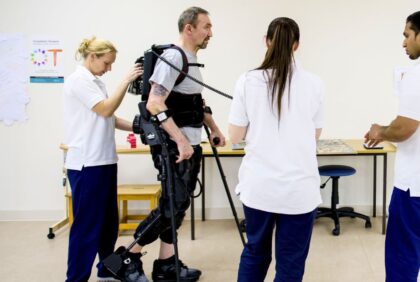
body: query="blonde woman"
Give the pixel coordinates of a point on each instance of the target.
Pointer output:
(91, 160)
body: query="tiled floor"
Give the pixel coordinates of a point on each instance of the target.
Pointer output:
(355, 255)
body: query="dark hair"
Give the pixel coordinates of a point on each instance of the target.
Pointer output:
(282, 34)
(189, 16)
(414, 19)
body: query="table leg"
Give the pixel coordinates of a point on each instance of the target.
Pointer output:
(384, 213)
(192, 218)
(203, 191)
(124, 217)
(69, 209)
(202, 195)
(374, 186)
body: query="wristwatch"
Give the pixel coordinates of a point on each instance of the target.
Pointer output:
(163, 115)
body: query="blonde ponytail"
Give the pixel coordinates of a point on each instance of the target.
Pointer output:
(95, 46)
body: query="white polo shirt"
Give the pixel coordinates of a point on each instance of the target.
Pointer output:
(89, 136)
(279, 172)
(407, 160)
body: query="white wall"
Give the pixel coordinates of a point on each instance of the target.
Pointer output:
(353, 45)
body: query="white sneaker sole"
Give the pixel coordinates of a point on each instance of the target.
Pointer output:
(107, 279)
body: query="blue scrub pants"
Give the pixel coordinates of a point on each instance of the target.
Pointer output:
(402, 242)
(95, 227)
(292, 238)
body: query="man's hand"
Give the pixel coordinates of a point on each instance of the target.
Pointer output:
(400, 129)
(218, 134)
(214, 131)
(374, 136)
(185, 150)
(155, 105)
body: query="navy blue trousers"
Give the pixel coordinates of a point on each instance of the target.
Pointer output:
(402, 242)
(292, 239)
(95, 227)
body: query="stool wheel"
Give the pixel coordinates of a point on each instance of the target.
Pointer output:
(51, 235)
(368, 224)
(336, 230)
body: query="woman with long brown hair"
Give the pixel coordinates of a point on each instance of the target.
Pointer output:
(278, 110)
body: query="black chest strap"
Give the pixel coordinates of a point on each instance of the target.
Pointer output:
(187, 109)
(185, 65)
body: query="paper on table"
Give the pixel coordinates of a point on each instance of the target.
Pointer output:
(333, 146)
(239, 146)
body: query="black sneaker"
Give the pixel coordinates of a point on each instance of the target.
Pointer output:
(126, 266)
(165, 271)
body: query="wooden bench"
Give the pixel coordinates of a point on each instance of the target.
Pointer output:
(128, 192)
(136, 192)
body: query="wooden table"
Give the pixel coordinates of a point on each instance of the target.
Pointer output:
(226, 151)
(357, 150)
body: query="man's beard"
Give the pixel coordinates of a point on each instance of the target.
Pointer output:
(203, 45)
(414, 57)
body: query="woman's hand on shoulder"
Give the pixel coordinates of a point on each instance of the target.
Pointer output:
(134, 73)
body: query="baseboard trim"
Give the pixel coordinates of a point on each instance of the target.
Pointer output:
(31, 215)
(211, 213)
(226, 212)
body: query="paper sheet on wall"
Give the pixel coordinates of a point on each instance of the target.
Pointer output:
(13, 78)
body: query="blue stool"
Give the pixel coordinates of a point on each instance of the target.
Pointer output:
(335, 172)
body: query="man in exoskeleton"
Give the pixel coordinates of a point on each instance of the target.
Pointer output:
(181, 112)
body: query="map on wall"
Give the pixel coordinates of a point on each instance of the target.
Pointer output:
(13, 78)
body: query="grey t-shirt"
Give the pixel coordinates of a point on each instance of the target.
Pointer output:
(166, 76)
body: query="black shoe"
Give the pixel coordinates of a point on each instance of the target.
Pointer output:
(126, 266)
(165, 271)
